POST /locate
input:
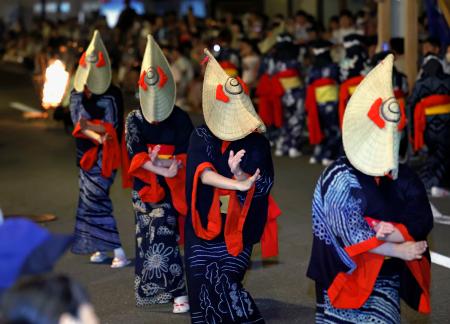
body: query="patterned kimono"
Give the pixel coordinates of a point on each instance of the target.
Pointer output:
(429, 109)
(352, 284)
(281, 101)
(217, 256)
(351, 74)
(95, 227)
(158, 203)
(322, 108)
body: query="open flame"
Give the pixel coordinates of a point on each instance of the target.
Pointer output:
(56, 79)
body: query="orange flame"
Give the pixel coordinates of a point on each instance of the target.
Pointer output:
(56, 79)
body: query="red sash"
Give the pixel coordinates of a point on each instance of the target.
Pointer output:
(111, 149)
(269, 91)
(344, 94)
(313, 123)
(353, 290)
(420, 118)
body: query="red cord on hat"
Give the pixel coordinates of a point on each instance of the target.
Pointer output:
(205, 60)
(142, 83)
(374, 113)
(220, 94)
(82, 61)
(162, 77)
(101, 60)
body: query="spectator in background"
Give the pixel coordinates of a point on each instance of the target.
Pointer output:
(301, 27)
(397, 45)
(250, 62)
(126, 18)
(56, 299)
(183, 73)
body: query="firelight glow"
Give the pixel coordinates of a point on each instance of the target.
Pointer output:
(56, 78)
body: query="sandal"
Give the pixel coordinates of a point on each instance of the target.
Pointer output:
(119, 263)
(98, 257)
(180, 305)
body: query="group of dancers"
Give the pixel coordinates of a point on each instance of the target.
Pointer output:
(209, 188)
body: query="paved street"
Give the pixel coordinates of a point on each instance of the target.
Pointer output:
(38, 175)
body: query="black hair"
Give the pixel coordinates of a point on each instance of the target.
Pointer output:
(397, 45)
(433, 41)
(252, 43)
(346, 13)
(41, 300)
(301, 13)
(225, 35)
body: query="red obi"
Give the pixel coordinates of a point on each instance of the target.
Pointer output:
(312, 99)
(111, 149)
(428, 106)
(235, 220)
(346, 90)
(353, 290)
(152, 192)
(270, 89)
(229, 67)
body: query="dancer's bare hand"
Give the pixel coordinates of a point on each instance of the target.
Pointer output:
(234, 162)
(410, 250)
(172, 171)
(245, 185)
(383, 229)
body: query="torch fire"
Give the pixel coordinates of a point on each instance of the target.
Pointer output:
(56, 79)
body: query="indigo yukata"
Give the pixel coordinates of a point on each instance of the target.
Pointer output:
(218, 247)
(429, 109)
(159, 205)
(95, 226)
(322, 108)
(352, 284)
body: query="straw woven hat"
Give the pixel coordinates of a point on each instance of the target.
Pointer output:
(94, 68)
(227, 107)
(371, 128)
(270, 41)
(157, 90)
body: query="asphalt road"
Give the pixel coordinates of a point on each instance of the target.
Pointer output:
(38, 175)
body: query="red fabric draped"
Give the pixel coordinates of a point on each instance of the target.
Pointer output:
(344, 94)
(353, 290)
(313, 123)
(236, 215)
(269, 91)
(111, 149)
(269, 239)
(420, 118)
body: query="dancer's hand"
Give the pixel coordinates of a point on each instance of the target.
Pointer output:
(383, 229)
(246, 184)
(234, 162)
(172, 171)
(153, 154)
(410, 250)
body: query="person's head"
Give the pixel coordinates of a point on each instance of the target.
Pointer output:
(397, 45)
(346, 19)
(55, 299)
(431, 45)
(301, 17)
(225, 37)
(247, 47)
(333, 23)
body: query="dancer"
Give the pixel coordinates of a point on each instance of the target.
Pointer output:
(429, 107)
(352, 69)
(96, 108)
(229, 177)
(157, 137)
(321, 105)
(281, 96)
(371, 217)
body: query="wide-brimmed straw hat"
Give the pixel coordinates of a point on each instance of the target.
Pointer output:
(269, 42)
(157, 90)
(94, 68)
(227, 107)
(373, 122)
